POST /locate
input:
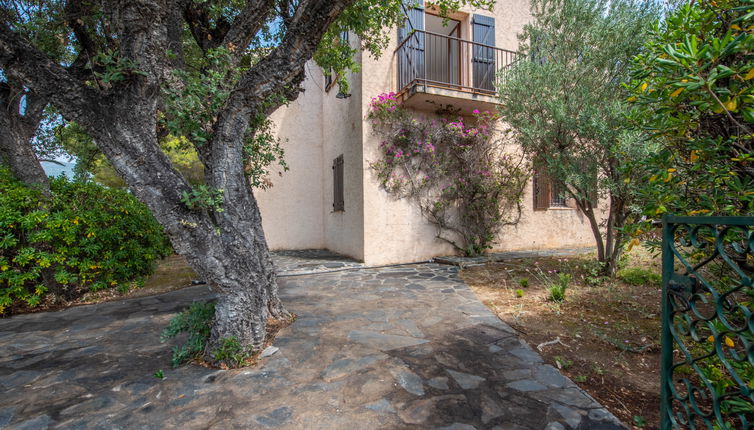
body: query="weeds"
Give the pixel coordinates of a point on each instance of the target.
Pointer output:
(231, 352)
(557, 291)
(196, 321)
(638, 276)
(563, 363)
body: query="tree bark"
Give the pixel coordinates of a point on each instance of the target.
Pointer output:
(18, 128)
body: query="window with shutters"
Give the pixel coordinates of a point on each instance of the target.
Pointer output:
(457, 53)
(338, 204)
(547, 194)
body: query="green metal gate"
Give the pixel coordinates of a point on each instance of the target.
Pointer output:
(707, 324)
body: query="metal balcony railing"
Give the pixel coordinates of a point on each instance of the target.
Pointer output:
(436, 60)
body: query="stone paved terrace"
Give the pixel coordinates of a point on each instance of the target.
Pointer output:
(407, 347)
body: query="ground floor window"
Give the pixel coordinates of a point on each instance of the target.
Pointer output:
(547, 193)
(338, 199)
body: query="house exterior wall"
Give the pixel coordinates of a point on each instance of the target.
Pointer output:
(292, 209)
(375, 227)
(342, 127)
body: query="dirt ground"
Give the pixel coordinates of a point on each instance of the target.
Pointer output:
(605, 335)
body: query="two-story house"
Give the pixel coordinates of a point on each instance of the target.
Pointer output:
(331, 198)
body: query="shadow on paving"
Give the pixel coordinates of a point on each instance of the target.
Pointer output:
(408, 347)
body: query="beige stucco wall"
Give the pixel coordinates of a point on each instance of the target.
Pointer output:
(342, 126)
(292, 209)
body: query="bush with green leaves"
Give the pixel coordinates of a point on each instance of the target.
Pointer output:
(693, 91)
(85, 238)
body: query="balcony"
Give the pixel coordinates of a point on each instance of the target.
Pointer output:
(441, 66)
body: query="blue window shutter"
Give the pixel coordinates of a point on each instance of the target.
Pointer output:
(484, 68)
(414, 19)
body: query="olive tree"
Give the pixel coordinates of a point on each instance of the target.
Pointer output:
(566, 108)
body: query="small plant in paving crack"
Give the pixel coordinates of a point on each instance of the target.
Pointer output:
(196, 321)
(231, 352)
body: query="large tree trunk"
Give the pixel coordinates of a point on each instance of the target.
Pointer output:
(226, 248)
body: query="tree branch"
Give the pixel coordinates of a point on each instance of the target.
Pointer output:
(248, 23)
(47, 79)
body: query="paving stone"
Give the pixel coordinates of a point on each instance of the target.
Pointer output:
(382, 406)
(465, 380)
(410, 382)
(571, 416)
(376, 347)
(482, 334)
(526, 385)
(37, 423)
(411, 328)
(456, 426)
(382, 341)
(270, 350)
(346, 366)
(526, 355)
(6, 415)
(440, 382)
(550, 376)
(275, 418)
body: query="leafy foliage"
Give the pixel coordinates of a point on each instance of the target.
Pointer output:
(192, 106)
(463, 180)
(693, 91)
(231, 353)
(196, 322)
(639, 276)
(566, 108)
(557, 291)
(203, 197)
(87, 237)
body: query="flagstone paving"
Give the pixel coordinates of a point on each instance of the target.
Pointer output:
(408, 347)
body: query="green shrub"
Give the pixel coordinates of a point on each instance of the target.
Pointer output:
(519, 293)
(86, 238)
(196, 321)
(524, 282)
(558, 290)
(638, 276)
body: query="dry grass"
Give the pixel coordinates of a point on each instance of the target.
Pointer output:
(609, 330)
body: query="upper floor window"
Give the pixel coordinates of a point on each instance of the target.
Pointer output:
(330, 78)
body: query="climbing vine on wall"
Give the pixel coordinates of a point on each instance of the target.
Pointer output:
(462, 178)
